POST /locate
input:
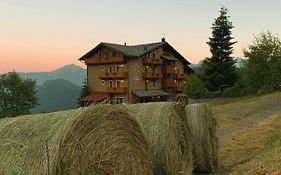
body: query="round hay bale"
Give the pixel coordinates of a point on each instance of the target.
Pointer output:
(23, 141)
(165, 127)
(205, 143)
(104, 140)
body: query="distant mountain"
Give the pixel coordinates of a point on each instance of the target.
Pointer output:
(240, 62)
(72, 73)
(56, 95)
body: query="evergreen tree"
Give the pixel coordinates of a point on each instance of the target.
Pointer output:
(264, 63)
(219, 70)
(84, 92)
(17, 95)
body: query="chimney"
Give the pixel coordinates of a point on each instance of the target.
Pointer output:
(125, 44)
(163, 39)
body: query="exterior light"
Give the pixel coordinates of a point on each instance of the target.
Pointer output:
(122, 81)
(175, 81)
(121, 65)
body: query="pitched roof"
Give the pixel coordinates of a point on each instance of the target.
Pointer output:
(96, 96)
(137, 50)
(133, 50)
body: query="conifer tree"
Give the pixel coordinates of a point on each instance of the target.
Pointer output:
(219, 70)
(84, 92)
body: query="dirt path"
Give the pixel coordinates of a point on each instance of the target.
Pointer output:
(241, 129)
(246, 113)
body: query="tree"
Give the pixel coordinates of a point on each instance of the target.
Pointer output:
(264, 63)
(219, 70)
(84, 92)
(195, 87)
(17, 96)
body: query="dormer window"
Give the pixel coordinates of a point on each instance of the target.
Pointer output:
(154, 55)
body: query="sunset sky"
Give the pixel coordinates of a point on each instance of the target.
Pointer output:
(42, 35)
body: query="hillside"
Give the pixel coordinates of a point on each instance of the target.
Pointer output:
(249, 134)
(71, 73)
(56, 95)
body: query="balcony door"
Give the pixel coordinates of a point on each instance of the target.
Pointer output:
(110, 69)
(118, 68)
(118, 83)
(111, 83)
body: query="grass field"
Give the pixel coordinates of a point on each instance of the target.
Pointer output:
(249, 132)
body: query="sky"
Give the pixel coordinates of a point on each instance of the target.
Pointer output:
(40, 35)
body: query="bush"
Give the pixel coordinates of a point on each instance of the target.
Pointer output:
(195, 87)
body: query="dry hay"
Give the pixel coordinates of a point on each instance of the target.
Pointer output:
(98, 140)
(23, 141)
(104, 140)
(166, 129)
(205, 144)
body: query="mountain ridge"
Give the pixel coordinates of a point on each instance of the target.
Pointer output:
(71, 73)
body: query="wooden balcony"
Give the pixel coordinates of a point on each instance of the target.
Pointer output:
(169, 83)
(152, 75)
(169, 69)
(112, 75)
(101, 60)
(179, 89)
(151, 61)
(181, 75)
(116, 90)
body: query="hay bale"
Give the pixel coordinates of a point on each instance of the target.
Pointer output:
(104, 140)
(205, 143)
(23, 141)
(97, 140)
(165, 127)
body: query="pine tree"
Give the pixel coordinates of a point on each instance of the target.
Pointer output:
(219, 70)
(84, 92)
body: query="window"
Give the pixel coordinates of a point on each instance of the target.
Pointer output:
(102, 68)
(148, 68)
(154, 54)
(179, 70)
(98, 53)
(118, 83)
(114, 53)
(154, 83)
(102, 82)
(110, 83)
(110, 69)
(117, 68)
(119, 100)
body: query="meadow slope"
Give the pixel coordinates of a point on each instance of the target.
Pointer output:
(249, 132)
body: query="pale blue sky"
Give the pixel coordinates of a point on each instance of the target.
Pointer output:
(52, 33)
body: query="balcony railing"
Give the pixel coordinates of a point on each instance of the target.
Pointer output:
(102, 60)
(169, 69)
(116, 90)
(150, 61)
(169, 83)
(181, 75)
(112, 75)
(152, 75)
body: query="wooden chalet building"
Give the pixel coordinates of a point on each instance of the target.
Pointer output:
(137, 73)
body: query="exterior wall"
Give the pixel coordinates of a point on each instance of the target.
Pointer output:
(135, 69)
(93, 79)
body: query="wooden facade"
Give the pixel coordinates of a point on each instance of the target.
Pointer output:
(131, 74)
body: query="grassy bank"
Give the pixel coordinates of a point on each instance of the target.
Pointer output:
(249, 134)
